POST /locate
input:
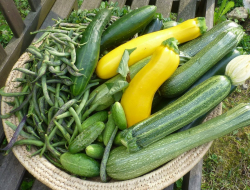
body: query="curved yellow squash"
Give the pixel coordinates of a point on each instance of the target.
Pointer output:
(146, 45)
(137, 98)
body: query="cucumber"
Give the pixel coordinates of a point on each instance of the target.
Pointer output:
(80, 164)
(99, 116)
(155, 25)
(118, 115)
(95, 151)
(87, 55)
(184, 110)
(191, 48)
(117, 140)
(198, 65)
(127, 26)
(86, 137)
(103, 98)
(109, 128)
(122, 165)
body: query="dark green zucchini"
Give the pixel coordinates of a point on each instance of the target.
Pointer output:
(155, 25)
(87, 55)
(123, 166)
(198, 65)
(193, 47)
(127, 26)
(184, 110)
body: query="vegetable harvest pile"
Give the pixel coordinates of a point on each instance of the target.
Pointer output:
(124, 92)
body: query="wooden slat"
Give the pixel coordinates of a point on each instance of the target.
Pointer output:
(187, 9)
(192, 181)
(61, 9)
(121, 3)
(11, 172)
(210, 13)
(12, 16)
(90, 4)
(1, 125)
(39, 186)
(164, 7)
(17, 46)
(3, 54)
(139, 3)
(34, 4)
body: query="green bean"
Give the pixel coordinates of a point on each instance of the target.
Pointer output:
(53, 81)
(60, 143)
(45, 91)
(34, 101)
(53, 63)
(63, 66)
(31, 109)
(53, 70)
(41, 38)
(66, 106)
(12, 94)
(53, 162)
(73, 72)
(59, 54)
(76, 118)
(26, 71)
(51, 148)
(43, 68)
(64, 97)
(35, 153)
(22, 133)
(60, 101)
(62, 73)
(27, 99)
(65, 88)
(34, 52)
(53, 30)
(51, 113)
(41, 104)
(30, 130)
(6, 116)
(29, 142)
(66, 61)
(89, 111)
(58, 40)
(66, 80)
(63, 131)
(62, 150)
(21, 80)
(39, 127)
(9, 103)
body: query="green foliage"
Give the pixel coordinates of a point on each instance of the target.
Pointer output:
(237, 3)
(245, 44)
(5, 31)
(220, 12)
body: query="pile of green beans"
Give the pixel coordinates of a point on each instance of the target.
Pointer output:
(46, 93)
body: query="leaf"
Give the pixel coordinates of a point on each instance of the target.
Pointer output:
(123, 68)
(117, 96)
(117, 86)
(229, 5)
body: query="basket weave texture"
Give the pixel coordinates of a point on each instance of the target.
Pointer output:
(57, 179)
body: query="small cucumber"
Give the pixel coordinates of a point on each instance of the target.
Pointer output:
(118, 115)
(86, 137)
(110, 126)
(80, 164)
(99, 116)
(95, 151)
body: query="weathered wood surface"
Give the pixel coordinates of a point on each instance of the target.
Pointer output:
(13, 17)
(62, 8)
(3, 54)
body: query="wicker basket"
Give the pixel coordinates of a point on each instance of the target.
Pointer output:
(54, 178)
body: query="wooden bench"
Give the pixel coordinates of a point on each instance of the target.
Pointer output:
(42, 12)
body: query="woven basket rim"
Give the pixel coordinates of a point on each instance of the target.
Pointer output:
(55, 178)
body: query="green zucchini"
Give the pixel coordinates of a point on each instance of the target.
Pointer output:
(99, 116)
(95, 151)
(184, 110)
(122, 165)
(80, 164)
(198, 65)
(86, 137)
(193, 47)
(155, 25)
(87, 55)
(127, 26)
